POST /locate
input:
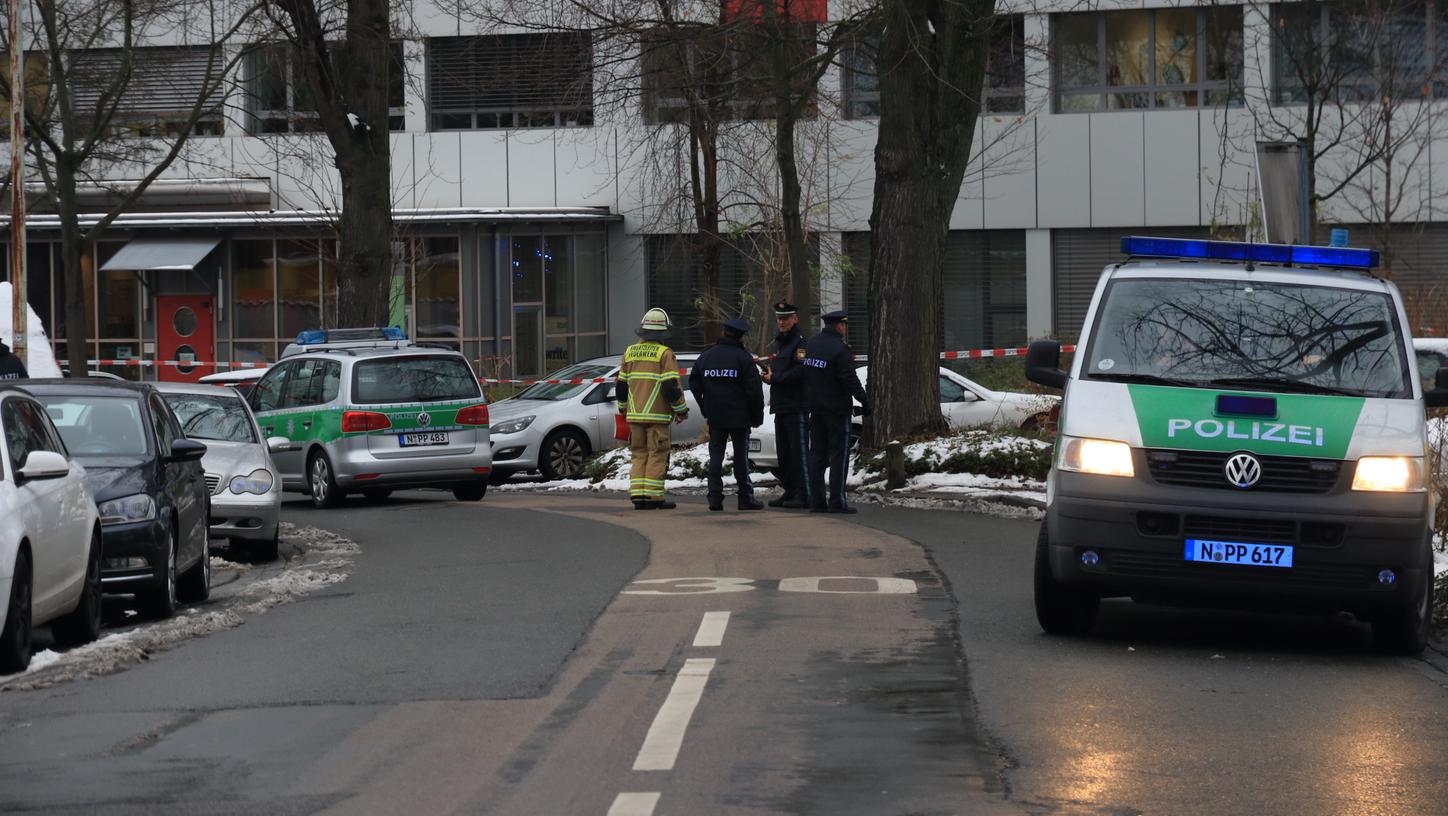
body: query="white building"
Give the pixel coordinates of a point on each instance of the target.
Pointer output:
(537, 229)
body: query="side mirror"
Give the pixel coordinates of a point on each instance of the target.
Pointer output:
(280, 444)
(44, 465)
(1043, 364)
(186, 450)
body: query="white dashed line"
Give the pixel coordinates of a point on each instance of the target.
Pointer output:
(711, 629)
(666, 735)
(634, 804)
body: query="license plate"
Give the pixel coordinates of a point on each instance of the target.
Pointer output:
(413, 440)
(1235, 552)
(755, 446)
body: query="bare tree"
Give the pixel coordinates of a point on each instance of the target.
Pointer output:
(97, 61)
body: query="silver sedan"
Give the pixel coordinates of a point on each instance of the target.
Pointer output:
(245, 491)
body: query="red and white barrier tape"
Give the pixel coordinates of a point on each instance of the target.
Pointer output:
(134, 362)
(976, 354)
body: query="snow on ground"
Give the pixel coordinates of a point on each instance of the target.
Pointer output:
(41, 361)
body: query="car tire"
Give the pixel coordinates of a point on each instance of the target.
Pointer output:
(195, 585)
(562, 454)
(83, 624)
(265, 552)
(377, 494)
(1405, 631)
(159, 602)
(325, 492)
(15, 638)
(1060, 609)
(470, 491)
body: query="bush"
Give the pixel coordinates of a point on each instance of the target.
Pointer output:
(605, 465)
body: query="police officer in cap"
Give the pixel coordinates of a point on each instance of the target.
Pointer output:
(789, 405)
(726, 384)
(831, 382)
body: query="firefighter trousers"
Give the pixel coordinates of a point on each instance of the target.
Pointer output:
(648, 444)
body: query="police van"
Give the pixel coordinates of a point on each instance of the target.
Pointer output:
(1243, 426)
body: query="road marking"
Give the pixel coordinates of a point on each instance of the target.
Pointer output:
(711, 629)
(634, 804)
(666, 735)
(705, 586)
(882, 586)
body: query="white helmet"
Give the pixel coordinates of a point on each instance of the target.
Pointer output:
(655, 319)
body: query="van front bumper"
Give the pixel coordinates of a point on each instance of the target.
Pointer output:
(1342, 541)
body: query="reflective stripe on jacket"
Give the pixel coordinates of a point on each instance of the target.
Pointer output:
(649, 389)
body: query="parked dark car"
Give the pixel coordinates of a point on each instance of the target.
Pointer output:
(148, 483)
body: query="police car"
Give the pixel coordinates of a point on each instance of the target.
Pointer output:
(368, 416)
(1242, 426)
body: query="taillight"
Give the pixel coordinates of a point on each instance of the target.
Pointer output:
(473, 415)
(363, 421)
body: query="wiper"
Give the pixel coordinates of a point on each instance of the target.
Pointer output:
(1142, 379)
(1284, 383)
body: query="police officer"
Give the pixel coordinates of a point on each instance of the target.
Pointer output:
(10, 366)
(650, 397)
(726, 385)
(830, 381)
(788, 403)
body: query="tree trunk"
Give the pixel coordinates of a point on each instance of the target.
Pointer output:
(704, 161)
(365, 262)
(72, 250)
(782, 38)
(930, 99)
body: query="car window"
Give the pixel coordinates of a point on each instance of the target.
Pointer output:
(166, 431)
(95, 426)
(220, 418)
(599, 394)
(951, 391)
(554, 392)
(35, 417)
(24, 432)
(413, 379)
(331, 380)
(268, 393)
(1428, 364)
(305, 386)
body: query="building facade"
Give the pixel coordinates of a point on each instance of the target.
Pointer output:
(535, 223)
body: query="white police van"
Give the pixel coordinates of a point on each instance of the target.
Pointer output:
(1241, 427)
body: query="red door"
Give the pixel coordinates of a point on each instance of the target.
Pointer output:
(186, 332)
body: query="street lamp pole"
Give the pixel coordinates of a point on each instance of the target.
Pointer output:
(19, 297)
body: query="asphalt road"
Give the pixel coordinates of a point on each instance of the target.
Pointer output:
(542, 654)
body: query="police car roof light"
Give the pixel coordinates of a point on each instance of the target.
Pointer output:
(311, 337)
(1289, 254)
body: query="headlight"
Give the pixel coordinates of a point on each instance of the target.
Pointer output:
(258, 481)
(139, 507)
(512, 425)
(1389, 474)
(1100, 456)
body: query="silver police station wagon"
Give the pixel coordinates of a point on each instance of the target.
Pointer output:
(368, 412)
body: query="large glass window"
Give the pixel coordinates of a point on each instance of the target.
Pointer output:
(299, 276)
(253, 290)
(723, 71)
(1005, 72)
(1160, 58)
(1354, 52)
(510, 81)
(165, 89)
(437, 288)
(280, 99)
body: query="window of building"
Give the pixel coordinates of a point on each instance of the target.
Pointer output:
(559, 296)
(299, 280)
(437, 288)
(510, 81)
(1355, 52)
(1161, 58)
(724, 72)
(280, 100)
(166, 88)
(1005, 73)
(253, 291)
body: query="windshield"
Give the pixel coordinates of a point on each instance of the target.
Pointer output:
(98, 426)
(1254, 335)
(413, 379)
(554, 392)
(223, 419)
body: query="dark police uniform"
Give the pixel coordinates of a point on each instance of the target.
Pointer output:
(790, 406)
(831, 382)
(10, 366)
(726, 385)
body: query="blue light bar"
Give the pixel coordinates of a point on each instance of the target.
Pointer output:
(1289, 254)
(311, 337)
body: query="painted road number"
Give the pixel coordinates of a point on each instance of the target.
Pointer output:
(1232, 552)
(825, 585)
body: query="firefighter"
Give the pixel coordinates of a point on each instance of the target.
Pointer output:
(788, 403)
(727, 387)
(650, 397)
(831, 382)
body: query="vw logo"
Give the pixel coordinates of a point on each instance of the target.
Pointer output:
(424, 419)
(1243, 470)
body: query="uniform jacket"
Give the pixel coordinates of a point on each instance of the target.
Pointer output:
(830, 379)
(11, 368)
(727, 387)
(648, 384)
(786, 373)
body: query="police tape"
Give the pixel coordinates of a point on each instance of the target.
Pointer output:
(136, 362)
(976, 354)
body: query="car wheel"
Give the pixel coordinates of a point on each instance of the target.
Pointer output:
(1060, 609)
(265, 551)
(195, 585)
(470, 491)
(562, 455)
(15, 638)
(1405, 631)
(325, 492)
(84, 623)
(377, 494)
(159, 602)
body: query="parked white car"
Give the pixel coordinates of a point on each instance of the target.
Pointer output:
(964, 402)
(1432, 354)
(243, 379)
(553, 428)
(246, 495)
(50, 536)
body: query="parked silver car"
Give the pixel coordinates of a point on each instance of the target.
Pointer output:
(552, 428)
(246, 495)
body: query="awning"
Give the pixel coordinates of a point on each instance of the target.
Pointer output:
(161, 253)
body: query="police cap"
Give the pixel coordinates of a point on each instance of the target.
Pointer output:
(737, 325)
(837, 316)
(784, 309)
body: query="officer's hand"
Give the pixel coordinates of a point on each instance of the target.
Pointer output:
(765, 374)
(679, 418)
